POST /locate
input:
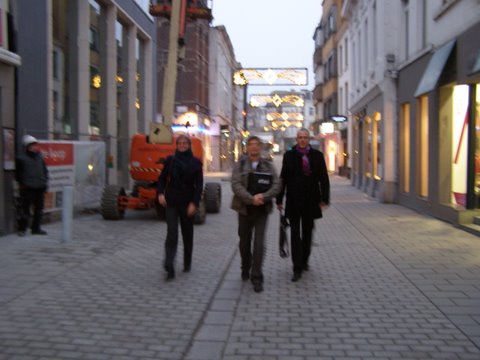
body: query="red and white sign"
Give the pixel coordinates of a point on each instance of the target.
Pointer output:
(59, 158)
(57, 154)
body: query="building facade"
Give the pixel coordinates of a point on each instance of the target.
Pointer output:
(318, 70)
(191, 110)
(76, 70)
(331, 87)
(225, 128)
(86, 74)
(439, 109)
(345, 123)
(408, 75)
(372, 37)
(9, 62)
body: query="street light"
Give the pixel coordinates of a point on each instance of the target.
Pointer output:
(338, 118)
(240, 80)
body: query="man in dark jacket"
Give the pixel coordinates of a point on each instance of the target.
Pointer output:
(305, 180)
(32, 177)
(179, 189)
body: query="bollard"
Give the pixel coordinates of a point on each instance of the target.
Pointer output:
(67, 213)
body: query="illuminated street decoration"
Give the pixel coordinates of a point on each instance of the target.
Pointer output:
(239, 78)
(262, 100)
(282, 121)
(284, 116)
(97, 81)
(273, 76)
(282, 125)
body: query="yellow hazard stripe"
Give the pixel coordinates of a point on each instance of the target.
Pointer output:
(144, 169)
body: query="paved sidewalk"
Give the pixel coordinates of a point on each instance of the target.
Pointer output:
(384, 283)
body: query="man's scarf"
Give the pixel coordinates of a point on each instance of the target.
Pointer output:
(305, 164)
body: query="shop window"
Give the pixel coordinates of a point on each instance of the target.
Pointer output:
(332, 151)
(405, 148)
(93, 39)
(94, 125)
(459, 116)
(477, 145)
(368, 147)
(356, 147)
(377, 150)
(422, 139)
(346, 55)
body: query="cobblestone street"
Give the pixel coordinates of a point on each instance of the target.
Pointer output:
(384, 283)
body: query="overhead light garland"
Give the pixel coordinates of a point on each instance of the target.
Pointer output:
(284, 120)
(277, 100)
(284, 116)
(273, 76)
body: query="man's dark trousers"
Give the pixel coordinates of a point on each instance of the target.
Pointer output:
(301, 243)
(253, 223)
(31, 197)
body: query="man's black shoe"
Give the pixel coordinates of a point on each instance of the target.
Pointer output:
(170, 276)
(245, 275)
(186, 268)
(257, 287)
(39, 232)
(296, 276)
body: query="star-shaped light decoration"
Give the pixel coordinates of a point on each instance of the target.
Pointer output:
(276, 100)
(270, 77)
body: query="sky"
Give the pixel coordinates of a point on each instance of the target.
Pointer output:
(271, 33)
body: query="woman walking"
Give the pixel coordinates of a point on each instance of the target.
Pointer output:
(179, 190)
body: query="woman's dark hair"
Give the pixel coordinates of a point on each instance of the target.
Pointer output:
(184, 137)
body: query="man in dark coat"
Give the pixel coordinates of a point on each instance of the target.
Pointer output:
(305, 181)
(32, 176)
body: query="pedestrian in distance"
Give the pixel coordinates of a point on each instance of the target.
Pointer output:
(32, 176)
(306, 185)
(179, 190)
(255, 184)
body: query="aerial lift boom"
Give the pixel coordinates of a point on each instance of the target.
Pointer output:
(177, 11)
(148, 153)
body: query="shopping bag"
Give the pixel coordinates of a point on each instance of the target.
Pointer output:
(283, 237)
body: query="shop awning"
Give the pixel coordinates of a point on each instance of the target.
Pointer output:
(434, 69)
